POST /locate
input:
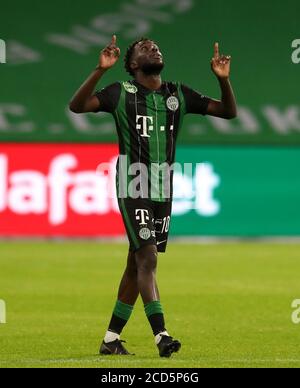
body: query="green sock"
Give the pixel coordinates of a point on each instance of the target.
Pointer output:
(123, 310)
(121, 315)
(155, 315)
(152, 308)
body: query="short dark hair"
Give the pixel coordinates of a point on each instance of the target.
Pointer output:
(129, 53)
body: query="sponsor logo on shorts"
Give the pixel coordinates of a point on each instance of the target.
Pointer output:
(142, 215)
(145, 233)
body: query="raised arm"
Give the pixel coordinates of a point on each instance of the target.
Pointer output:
(84, 100)
(226, 108)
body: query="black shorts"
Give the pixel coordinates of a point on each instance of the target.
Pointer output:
(147, 222)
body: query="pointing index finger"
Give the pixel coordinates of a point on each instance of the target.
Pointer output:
(216, 50)
(113, 40)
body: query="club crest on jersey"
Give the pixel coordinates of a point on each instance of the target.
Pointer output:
(145, 233)
(130, 88)
(173, 103)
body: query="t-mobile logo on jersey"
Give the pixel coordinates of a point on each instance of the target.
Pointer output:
(142, 215)
(142, 125)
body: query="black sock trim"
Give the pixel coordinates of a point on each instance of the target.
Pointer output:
(157, 323)
(116, 324)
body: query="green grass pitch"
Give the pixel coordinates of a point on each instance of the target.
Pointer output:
(229, 304)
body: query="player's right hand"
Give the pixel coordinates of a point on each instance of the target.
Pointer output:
(109, 55)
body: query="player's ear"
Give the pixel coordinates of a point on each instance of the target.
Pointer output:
(133, 65)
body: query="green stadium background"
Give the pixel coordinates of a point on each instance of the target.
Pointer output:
(254, 159)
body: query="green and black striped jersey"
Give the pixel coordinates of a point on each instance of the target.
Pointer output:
(148, 123)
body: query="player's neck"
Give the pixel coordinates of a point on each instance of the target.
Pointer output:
(152, 82)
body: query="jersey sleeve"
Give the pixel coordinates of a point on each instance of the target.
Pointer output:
(108, 97)
(195, 102)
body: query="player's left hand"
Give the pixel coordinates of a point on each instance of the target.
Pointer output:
(220, 64)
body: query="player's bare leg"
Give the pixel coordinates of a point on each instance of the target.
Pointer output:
(128, 290)
(127, 296)
(146, 261)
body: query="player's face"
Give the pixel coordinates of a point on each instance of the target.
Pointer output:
(148, 58)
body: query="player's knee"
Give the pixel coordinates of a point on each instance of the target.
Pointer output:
(146, 258)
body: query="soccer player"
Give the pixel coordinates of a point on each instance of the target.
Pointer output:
(148, 114)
